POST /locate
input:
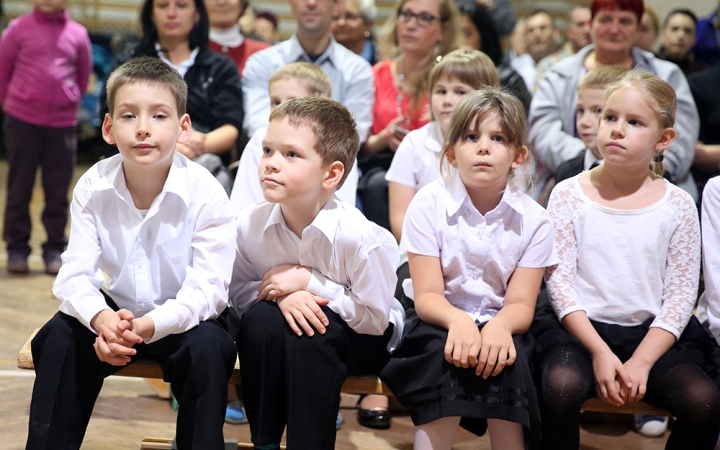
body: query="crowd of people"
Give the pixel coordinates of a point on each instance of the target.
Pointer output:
(499, 235)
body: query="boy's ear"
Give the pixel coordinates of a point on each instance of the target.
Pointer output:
(185, 129)
(666, 138)
(333, 175)
(107, 130)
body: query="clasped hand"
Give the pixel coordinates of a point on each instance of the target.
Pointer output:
(489, 350)
(116, 338)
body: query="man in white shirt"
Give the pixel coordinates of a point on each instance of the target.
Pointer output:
(145, 274)
(350, 75)
(313, 280)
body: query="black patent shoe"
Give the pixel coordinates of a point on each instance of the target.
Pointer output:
(377, 418)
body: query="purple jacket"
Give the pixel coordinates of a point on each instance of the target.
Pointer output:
(45, 62)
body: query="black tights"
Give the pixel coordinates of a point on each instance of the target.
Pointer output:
(685, 391)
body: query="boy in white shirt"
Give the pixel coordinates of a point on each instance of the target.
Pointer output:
(313, 280)
(294, 80)
(145, 273)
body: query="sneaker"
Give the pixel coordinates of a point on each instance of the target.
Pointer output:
(339, 421)
(235, 414)
(53, 262)
(17, 263)
(650, 426)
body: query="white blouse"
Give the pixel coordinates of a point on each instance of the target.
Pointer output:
(417, 160)
(478, 254)
(711, 253)
(625, 266)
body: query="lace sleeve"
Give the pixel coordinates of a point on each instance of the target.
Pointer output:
(683, 266)
(564, 203)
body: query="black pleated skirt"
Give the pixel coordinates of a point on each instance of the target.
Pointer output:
(431, 388)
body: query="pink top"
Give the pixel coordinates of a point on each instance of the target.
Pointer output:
(385, 107)
(45, 62)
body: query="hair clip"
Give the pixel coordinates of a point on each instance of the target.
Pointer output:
(671, 108)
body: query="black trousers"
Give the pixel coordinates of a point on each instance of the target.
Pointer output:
(69, 376)
(53, 150)
(296, 380)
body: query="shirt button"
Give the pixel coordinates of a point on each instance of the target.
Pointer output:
(140, 264)
(305, 255)
(480, 236)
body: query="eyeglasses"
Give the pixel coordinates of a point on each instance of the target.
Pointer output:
(423, 19)
(348, 17)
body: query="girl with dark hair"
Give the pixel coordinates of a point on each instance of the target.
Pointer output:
(480, 33)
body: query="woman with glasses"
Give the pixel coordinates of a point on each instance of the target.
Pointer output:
(418, 32)
(352, 27)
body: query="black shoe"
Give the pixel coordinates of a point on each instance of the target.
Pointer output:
(378, 418)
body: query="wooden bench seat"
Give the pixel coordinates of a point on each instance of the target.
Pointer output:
(352, 385)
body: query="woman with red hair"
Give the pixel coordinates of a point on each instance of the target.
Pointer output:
(552, 112)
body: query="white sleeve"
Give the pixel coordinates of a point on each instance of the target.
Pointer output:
(246, 189)
(245, 279)
(560, 279)
(551, 143)
(359, 98)
(256, 98)
(77, 286)
(204, 292)
(418, 232)
(683, 267)
(540, 251)
(711, 253)
(364, 305)
(402, 167)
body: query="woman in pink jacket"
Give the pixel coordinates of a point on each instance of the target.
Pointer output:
(45, 62)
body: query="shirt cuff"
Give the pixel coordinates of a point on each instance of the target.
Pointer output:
(163, 325)
(322, 286)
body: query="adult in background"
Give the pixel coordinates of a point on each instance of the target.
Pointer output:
(350, 75)
(225, 34)
(353, 25)
(479, 33)
(265, 27)
(176, 32)
(707, 44)
(649, 29)
(577, 35)
(552, 112)
(541, 41)
(678, 38)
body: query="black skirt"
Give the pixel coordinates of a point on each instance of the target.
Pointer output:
(695, 345)
(431, 388)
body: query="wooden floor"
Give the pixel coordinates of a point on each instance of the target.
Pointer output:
(128, 409)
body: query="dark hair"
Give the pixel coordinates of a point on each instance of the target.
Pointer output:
(199, 35)
(149, 71)
(489, 35)
(685, 11)
(269, 16)
(635, 6)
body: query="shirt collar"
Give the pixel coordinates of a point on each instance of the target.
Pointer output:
(229, 37)
(182, 67)
(297, 53)
(326, 220)
(174, 184)
(512, 197)
(436, 140)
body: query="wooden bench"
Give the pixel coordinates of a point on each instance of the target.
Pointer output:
(353, 385)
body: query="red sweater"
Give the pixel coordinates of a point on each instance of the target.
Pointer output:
(241, 53)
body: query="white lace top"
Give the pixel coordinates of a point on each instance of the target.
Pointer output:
(625, 266)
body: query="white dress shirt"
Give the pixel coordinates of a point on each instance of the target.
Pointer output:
(246, 189)
(353, 263)
(478, 254)
(173, 265)
(711, 253)
(625, 266)
(417, 160)
(350, 75)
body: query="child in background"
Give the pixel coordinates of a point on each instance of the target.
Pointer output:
(477, 248)
(587, 119)
(626, 284)
(45, 64)
(146, 271)
(313, 280)
(294, 80)
(417, 159)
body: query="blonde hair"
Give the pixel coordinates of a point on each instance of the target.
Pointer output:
(601, 77)
(336, 136)
(451, 40)
(470, 113)
(661, 98)
(311, 76)
(151, 71)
